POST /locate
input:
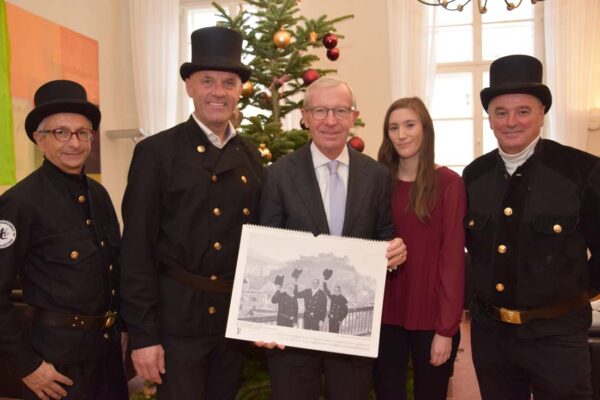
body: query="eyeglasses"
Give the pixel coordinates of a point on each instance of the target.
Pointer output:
(340, 113)
(65, 134)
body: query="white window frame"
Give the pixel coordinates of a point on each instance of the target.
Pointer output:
(478, 68)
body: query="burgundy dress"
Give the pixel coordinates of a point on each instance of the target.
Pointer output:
(427, 291)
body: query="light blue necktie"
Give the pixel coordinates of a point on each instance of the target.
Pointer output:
(337, 199)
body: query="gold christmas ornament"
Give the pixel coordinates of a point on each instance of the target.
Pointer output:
(282, 38)
(313, 37)
(265, 152)
(247, 89)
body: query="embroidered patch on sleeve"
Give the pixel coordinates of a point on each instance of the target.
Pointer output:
(8, 234)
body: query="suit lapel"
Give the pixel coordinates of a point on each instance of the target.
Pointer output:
(308, 190)
(356, 191)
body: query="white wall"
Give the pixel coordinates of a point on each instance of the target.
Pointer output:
(106, 21)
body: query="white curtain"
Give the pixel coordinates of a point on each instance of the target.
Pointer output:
(155, 54)
(568, 29)
(411, 48)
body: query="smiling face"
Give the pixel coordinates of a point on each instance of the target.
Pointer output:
(405, 131)
(215, 95)
(68, 156)
(516, 120)
(329, 134)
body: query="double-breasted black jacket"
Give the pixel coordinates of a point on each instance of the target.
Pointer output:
(64, 247)
(184, 207)
(529, 234)
(287, 308)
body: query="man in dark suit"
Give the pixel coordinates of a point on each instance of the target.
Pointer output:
(338, 308)
(61, 237)
(533, 215)
(315, 306)
(296, 196)
(190, 189)
(287, 303)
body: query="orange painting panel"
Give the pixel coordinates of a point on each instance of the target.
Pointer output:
(42, 51)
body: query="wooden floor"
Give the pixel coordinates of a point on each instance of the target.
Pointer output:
(463, 385)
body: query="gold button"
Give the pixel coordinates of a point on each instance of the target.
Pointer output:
(212, 310)
(106, 336)
(102, 243)
(217, 212)
(88, 222)
(81, 199)
(201, 149)
(113, 292)
(110, 267)
(244, 179)
(502, 249)
(471, 223)
(214, 277)
(74, 255)
(246, 211)
(214, 178)
(217, 246)
(557, 228)
(508, 211)
(499, 287)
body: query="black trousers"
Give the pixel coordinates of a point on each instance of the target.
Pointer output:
(297, 374)
(100, 378)
(390, 369)
(551, 368)
(201, 368)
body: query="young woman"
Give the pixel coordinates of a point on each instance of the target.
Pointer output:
(423, 300)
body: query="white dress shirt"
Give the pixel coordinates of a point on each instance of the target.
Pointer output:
(322, 172)
(230, 133)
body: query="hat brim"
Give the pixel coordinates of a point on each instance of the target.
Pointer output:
(241, 70)
(85, 108)
(540, 91)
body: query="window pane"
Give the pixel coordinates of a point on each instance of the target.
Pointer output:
(454, 44)
(507, 38)
(497, 12)
(453, 142)
(452, 96)
(202, 18)
(446, 18)
(489, 140)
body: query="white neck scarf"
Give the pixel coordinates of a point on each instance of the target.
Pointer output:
(514, 161)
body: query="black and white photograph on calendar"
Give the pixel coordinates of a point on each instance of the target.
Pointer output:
(323, 293)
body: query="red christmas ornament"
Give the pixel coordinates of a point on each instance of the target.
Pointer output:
(357, 143)
(333, 54)
(330, 40)
(309, 76)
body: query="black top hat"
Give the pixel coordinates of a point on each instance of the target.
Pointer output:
(327, 273)
(216, 48)
(60, 96)
(279, 280)
(296, 273)
(516, 74)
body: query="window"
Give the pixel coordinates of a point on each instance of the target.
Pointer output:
(466, 43)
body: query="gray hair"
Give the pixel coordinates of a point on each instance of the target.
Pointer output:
(326, 82)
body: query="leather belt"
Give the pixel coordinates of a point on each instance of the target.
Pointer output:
(71, 321)
(196, 281)
(519, 317)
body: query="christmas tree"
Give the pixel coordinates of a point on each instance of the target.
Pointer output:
(281, 47)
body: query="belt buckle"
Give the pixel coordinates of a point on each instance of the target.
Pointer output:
(109, 319)
(510, 316)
